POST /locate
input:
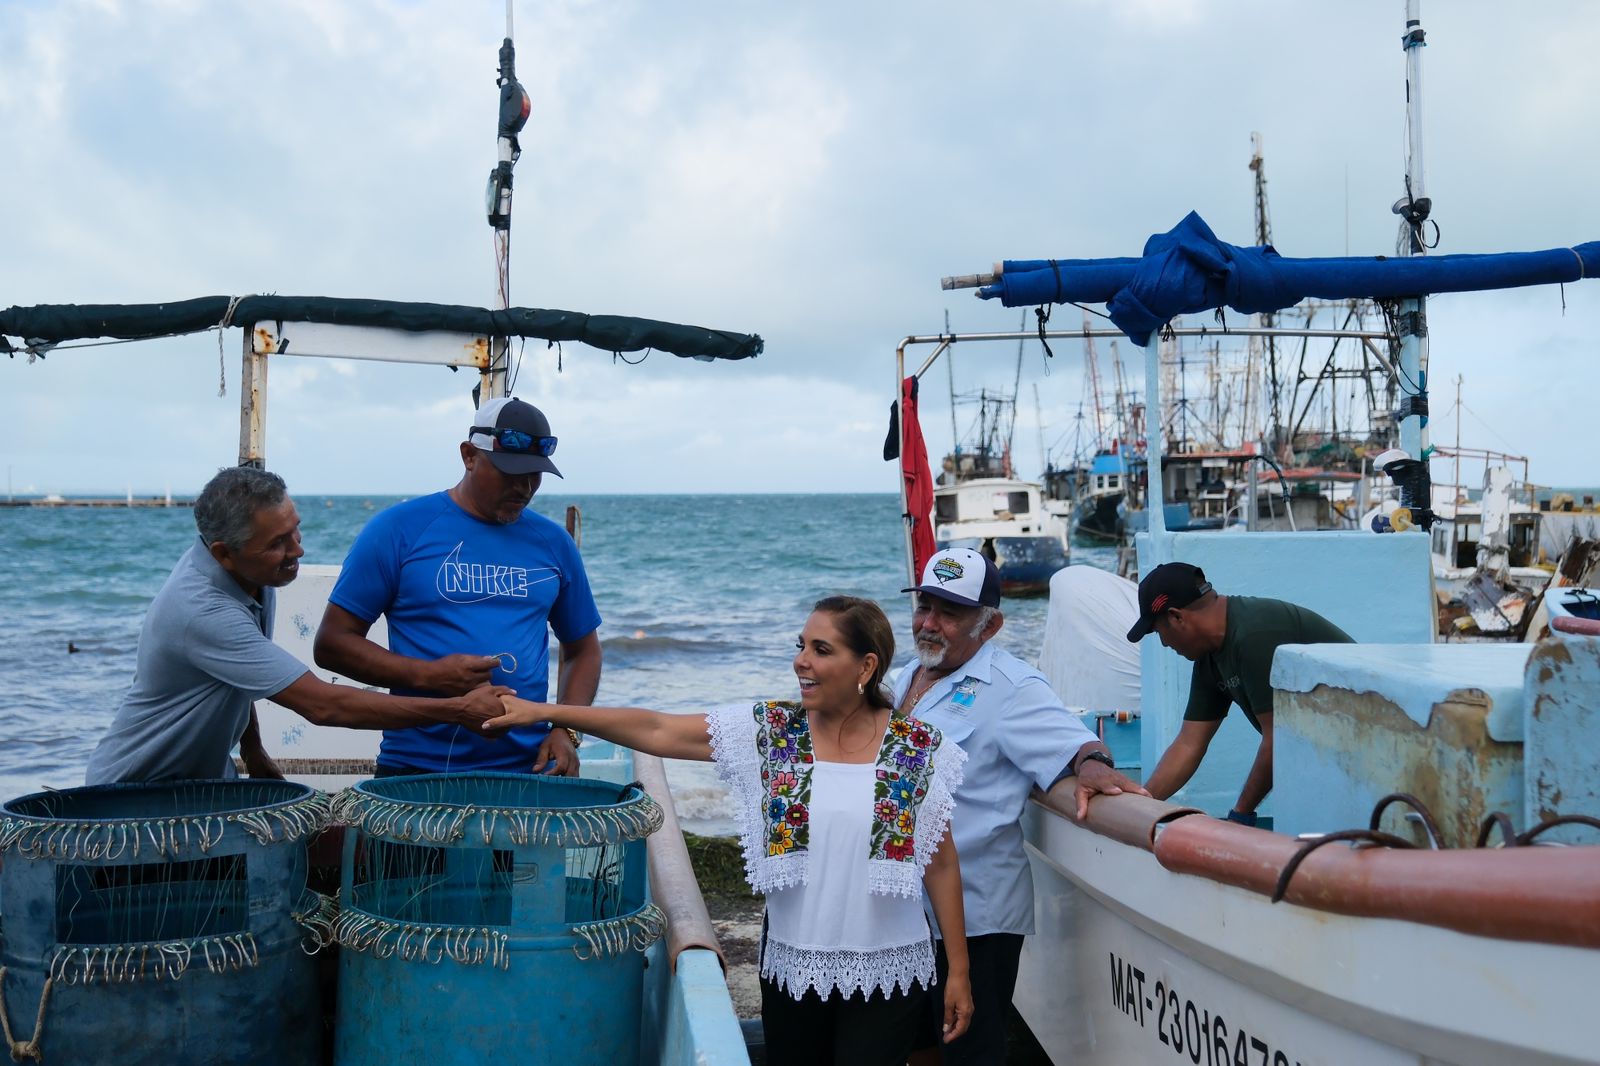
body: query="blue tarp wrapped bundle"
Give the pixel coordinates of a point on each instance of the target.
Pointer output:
(1187, 270)
(161, 923)
(493, 916)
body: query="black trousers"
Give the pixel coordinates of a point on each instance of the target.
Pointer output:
(839, 1031)
(993, 960)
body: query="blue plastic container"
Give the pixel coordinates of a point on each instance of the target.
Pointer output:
(162, 923)
(491, 917)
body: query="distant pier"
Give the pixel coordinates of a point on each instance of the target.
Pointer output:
(94, 501)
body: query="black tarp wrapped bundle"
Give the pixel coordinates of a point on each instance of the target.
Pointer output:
(54, 323)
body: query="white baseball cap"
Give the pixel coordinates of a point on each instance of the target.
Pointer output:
(961, 575)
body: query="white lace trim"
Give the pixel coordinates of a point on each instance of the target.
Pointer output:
(826, 969)
(933, 816)
(733, 748)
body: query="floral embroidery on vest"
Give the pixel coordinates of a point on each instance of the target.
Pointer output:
(784, 740)
(903, 770)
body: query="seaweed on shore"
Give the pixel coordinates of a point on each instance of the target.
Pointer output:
(719, 867)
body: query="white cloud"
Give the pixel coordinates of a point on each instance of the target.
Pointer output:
(804, 173)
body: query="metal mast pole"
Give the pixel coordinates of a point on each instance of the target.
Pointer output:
(1276, 442)
(514, 109)
(1413, 209)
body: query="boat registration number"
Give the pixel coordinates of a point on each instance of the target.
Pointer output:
(1191, 1029)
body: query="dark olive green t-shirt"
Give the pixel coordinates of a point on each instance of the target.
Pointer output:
(1241, 670)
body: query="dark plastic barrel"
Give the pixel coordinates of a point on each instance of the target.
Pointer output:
(493, 917)
(161, 923)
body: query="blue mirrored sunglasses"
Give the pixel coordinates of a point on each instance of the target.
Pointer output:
(515, 440)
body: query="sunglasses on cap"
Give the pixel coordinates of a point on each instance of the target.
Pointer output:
(515, 440)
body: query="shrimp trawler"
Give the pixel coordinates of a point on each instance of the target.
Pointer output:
(1429, 892)
(979, 502)
(409, 901)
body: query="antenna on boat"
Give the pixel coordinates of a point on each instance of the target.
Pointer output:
(1411, 320)
(515, 106)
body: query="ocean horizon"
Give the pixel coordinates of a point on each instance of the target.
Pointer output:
(701, 597)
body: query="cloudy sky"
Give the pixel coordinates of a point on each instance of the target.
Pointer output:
(804, 171)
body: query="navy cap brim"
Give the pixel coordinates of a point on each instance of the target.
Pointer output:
(944, 594)
(1141, 629)
(517, 464)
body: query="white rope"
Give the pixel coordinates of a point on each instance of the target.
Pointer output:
(227, 320)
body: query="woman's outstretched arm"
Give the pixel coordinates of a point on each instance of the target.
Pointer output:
(671, 736)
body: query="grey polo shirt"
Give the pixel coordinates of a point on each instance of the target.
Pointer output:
(205, 655)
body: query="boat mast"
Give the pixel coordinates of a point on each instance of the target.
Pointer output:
(515, 106)
(1276, 444)
(1413, 208)
(1091, 366)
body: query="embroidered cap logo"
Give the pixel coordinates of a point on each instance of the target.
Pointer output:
(947, 570)
(1159, 604)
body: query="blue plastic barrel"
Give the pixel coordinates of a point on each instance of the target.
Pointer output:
(161, 923)
(493, 917)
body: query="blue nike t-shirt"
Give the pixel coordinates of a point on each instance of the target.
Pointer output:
(450, 583)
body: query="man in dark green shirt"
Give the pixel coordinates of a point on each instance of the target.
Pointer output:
(1231, 641)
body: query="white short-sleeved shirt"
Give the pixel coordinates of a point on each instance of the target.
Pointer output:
(1017, 734)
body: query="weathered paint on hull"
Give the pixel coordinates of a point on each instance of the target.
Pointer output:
(1133, 963)
(1027, 563)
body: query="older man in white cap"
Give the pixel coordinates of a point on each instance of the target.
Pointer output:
(471, 583)
(1017, 735)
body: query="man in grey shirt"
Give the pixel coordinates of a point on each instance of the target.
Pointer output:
(206, 652)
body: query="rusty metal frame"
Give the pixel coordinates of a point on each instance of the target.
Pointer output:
(318, 340)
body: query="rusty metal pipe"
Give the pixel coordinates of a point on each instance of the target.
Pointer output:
(1588, 627)
(1546, 895)
(672, 881)
(1128, 819)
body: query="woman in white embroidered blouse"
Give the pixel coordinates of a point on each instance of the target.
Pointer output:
(844, 811)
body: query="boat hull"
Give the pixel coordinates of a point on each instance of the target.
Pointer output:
(1133, 963)
(1025, 563)
(1098, 518)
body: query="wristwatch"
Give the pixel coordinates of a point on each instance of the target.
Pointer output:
(575, 736)
(1094, 756)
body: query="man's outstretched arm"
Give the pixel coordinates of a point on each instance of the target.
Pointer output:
(1182, 758)
(358, 708)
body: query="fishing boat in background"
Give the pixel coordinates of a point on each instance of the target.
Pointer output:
(1406, 894)
(1100, 489)
(980, 503)
(1006, 520)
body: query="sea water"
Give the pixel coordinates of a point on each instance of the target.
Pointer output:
(702, 599)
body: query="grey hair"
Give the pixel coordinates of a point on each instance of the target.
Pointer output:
(980, 623)
(226, 508)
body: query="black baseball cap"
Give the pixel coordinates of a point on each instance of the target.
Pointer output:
(1167, 586)
(515, 436)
